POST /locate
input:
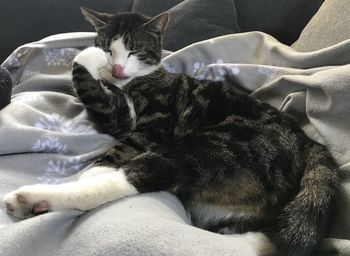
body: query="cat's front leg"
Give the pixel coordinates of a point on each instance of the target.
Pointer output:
(102, 100)
(87, 81)
(102, 185)
(95, 61)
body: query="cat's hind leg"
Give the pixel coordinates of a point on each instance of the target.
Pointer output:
(97, 170)
(148, 172)
(84, 194)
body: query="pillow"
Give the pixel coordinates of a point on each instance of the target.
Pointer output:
(152, 7)
(5, 87)
(329, 26)
(195, 20)
(283, 19)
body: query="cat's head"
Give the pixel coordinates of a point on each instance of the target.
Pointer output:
(132, 42)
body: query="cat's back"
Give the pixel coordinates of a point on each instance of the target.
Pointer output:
(215, 103)
(237, 123)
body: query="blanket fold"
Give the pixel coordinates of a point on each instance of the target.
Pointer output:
(46, 137)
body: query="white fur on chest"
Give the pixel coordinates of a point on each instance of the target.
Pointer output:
(131, 111)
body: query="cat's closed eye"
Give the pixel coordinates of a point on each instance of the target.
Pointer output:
(108, 51)
(131, 53)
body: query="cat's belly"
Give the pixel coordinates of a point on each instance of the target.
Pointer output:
(204, 214)
(239, 204)
(208, 216)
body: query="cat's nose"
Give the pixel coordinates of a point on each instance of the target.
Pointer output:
(118, 71)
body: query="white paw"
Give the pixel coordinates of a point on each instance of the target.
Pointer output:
(27, 201)
(261, 243)
(106, 75)
(93, 59)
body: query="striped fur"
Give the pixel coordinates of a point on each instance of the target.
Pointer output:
(237, 164)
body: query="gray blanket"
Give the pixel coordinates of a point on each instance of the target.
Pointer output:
(46, 137)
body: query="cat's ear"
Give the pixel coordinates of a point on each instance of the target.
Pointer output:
(97, 19)
(159, 22)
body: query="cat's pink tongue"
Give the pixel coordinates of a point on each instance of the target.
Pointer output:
(118, 72)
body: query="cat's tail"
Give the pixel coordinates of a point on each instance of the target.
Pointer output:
(304, 220)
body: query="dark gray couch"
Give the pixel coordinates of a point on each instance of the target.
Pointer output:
(27, 21)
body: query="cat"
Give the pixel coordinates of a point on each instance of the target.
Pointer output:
(236, 164)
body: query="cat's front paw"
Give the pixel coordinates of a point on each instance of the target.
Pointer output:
(93, 59)
(26, 202)
(106, 75)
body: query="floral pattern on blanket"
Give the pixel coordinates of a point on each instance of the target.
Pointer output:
(58, 169)
(60, 56)
(57, 123)
(216, 70)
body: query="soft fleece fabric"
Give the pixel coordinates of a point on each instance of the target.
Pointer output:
(46, 137)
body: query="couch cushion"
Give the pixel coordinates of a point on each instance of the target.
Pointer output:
(329, 26)
(195, 20)
(283, 19)
(153, 7)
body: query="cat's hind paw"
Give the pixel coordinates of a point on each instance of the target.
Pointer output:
(93, 59)
(24, 204)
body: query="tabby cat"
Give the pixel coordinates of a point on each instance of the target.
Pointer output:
(236, 164)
